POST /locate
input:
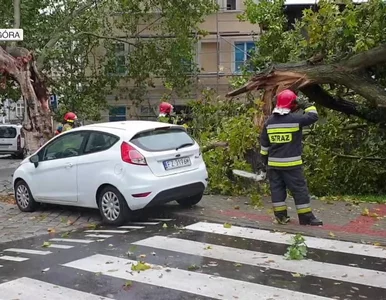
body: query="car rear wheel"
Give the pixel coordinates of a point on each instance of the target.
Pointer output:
(190, 201)
(113, 206)
(24, 198)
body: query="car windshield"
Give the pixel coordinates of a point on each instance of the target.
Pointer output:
(162, 139)
(7, 132)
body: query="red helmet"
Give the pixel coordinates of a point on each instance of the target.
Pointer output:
(70, 117)
(165, 108)
(286, 100)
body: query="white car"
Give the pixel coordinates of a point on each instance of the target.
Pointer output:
(117, 167)
(12, 140)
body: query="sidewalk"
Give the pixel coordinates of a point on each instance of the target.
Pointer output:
(15, 225)
(364, 222)
(343, 221)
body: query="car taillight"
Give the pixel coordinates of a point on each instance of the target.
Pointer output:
(131, 155)
(18, 142)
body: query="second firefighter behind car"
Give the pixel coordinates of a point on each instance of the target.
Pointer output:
(281, 150)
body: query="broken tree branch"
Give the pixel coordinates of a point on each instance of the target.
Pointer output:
(214, 145)
(307, 77)
(363, 60)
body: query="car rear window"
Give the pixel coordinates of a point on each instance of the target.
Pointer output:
(7, 132)
(162, 139)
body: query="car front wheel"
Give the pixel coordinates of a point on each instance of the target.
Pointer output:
(113, 206)
(24, 198)
(190, 201)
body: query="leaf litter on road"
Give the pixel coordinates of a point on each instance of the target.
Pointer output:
(193, 267)
(46, 244)
(140, 266)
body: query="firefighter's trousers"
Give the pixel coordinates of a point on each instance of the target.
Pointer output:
(292, 179)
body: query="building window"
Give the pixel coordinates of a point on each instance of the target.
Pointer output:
(19, 110)
(188, 65)
(121, 53)
(148, 112)
(117, 114)
(231, 5)
(243, 52)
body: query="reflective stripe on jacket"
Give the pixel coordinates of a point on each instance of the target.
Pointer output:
(281, 138)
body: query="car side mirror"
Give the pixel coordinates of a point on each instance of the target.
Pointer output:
(35, 160)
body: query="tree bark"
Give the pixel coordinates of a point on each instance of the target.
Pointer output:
(18, 64)
(37, 125)
(307, 77)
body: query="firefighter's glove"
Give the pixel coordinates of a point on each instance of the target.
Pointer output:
(302, 103)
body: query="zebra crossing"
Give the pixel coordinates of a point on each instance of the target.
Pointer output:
(66, 243)
(206, 260)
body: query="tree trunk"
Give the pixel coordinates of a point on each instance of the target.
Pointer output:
(18, 64)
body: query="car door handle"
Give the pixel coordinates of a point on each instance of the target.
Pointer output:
(69, 165)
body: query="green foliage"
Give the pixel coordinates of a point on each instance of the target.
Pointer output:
(231, 122)
(79, 53)
(140, 266)
(298, 249)
(337, 157)
(338, 160)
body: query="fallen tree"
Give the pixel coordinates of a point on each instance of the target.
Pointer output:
(335, 55)
(309, 76)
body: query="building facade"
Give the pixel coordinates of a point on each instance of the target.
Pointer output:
(219, 56)
(12, 112)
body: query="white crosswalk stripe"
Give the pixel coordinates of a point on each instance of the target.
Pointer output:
(185, 281)
(80, 241)
(278, 262)
(131, 227)
(30, 289)
(103, 236)
(216, 249)
(144, 223)
(13, 258)
(58, 246)
(106, 231)
(283, 238)
(28, 251)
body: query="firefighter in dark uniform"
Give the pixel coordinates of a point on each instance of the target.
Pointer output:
(281, 150)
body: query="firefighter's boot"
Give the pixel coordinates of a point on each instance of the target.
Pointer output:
(282, 217)
(309, 219)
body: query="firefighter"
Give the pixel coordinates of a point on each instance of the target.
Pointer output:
(59, 129)
(165, 113)
(69, 121)
(281, 150)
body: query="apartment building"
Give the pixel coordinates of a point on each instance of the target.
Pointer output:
(219, 55)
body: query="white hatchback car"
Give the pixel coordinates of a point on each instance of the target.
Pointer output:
(117, 167)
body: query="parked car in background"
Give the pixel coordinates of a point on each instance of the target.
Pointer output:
(117, 167)
(12, 140)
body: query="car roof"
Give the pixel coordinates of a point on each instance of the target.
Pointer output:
(129, 127)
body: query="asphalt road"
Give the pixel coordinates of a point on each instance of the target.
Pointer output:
(202, 260)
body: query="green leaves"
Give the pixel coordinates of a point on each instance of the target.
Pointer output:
(140, 266)
(298, 249)
(76, 45)
(231, 122)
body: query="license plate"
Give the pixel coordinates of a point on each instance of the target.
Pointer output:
(177, 163)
